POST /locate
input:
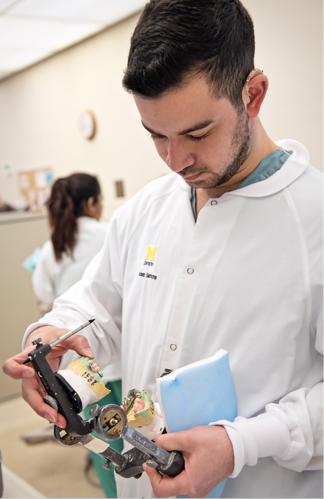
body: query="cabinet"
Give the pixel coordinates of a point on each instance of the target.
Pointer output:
(20, 234)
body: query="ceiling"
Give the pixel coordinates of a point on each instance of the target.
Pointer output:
(31, 30)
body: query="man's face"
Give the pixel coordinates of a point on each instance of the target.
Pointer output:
(201, 138)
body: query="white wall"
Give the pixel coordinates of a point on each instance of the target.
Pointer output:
(40, 106)
(289, 48)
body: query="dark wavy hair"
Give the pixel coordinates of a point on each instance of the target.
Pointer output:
(67, 202)
(177, 39)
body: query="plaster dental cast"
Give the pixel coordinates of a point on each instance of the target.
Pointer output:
(86, 379)
(223, 253)
(143, 414)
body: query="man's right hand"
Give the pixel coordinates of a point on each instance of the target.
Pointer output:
(32, 389)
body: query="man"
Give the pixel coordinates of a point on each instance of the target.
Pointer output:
(223, 253)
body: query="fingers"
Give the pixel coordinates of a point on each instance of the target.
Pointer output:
(14, 368)
(78, 343)
(208, 456)
(175, 441)
(164, 486)
(47, 335)
(32, 390)
(33, 394)
(94, 368)
(154, 476)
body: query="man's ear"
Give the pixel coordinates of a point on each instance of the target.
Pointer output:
(253, 94)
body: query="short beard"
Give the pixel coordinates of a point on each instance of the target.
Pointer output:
(240, 145)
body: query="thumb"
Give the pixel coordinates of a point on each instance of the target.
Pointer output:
(153, 475)
(174, 441)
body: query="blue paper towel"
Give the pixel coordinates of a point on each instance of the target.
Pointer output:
(198, 394)
(32, 260)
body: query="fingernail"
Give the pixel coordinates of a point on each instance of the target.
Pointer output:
(50, 418)
(89, 352)
(27, 374)
(151, 464)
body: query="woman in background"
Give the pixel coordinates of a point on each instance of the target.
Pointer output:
(74, 209)
(77, 235)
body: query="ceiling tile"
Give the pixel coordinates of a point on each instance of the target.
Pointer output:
(42, 34)
(4, 4)
(31, 30)
(12, 60)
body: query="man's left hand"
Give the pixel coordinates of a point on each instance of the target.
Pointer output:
(208, 456)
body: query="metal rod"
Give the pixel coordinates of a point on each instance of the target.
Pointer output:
(102, 449)
(145, 445)
(70, 333)
(59, 340)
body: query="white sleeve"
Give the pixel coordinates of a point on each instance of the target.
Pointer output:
(41, 280)
(97, 296)
(291, 432)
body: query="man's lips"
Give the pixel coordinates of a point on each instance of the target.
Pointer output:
(191, 177)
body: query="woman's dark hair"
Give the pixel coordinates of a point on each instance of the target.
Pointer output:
(67, 202)
(176, 39)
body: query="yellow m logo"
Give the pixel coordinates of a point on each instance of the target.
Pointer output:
(150, 255)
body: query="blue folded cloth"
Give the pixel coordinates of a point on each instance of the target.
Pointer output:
(32, 260)
(198, 394)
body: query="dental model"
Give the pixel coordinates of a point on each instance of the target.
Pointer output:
(143, 414)
(84, 376)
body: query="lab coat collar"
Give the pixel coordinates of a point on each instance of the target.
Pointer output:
(295, 165)
(83, 220)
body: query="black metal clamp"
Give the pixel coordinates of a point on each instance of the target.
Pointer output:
(109, 421)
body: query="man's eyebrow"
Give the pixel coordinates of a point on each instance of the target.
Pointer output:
(195, 128)
(149, 130)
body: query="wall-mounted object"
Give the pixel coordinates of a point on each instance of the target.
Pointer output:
(119, 187)
(87, 125)
(35, 187)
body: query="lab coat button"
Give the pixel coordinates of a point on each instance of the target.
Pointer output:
(190, 271)
(213, 202)
(173, 346)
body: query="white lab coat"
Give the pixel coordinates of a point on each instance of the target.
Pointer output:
(246, 277)
(51, 278)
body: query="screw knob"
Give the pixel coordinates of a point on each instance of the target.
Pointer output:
(95, 409)
(37, 342)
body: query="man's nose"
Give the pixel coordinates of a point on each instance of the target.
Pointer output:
(178, 156)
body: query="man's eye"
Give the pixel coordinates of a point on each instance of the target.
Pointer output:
(191, 137)
(154, 136)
